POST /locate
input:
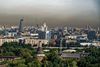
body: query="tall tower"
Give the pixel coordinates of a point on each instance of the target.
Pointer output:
(44, 27)
(21, 25)
(98, 30)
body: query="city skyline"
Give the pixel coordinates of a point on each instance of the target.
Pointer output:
(54, 13)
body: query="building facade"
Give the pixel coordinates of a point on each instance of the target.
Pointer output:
(27, 41)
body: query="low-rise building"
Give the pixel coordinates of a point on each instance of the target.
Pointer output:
(3, 58)
(27, 41)
(74, 55)
(96, 43)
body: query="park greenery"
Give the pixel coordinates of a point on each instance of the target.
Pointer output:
(27, 57)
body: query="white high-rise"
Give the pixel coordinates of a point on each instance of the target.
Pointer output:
(44, 27)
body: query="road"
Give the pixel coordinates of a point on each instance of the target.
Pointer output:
(62, 47)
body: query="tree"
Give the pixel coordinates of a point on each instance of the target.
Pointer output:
(21, 65)
(93, 60)
(25, 53)
(36, 63)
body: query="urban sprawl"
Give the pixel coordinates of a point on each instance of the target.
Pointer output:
(41, 46)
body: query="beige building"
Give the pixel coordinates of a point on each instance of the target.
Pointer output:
(35, 41)
(27, 41)
(7, 40)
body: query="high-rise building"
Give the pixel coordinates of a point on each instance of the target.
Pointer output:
(44, 31)
(98, 31)
(20, 25)
(91, 35)
(48, 35)
(44, 27)
(41, 35)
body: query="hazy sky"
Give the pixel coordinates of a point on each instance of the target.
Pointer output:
(54, 12)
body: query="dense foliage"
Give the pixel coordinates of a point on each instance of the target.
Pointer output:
(93, 60)
(27, 56)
